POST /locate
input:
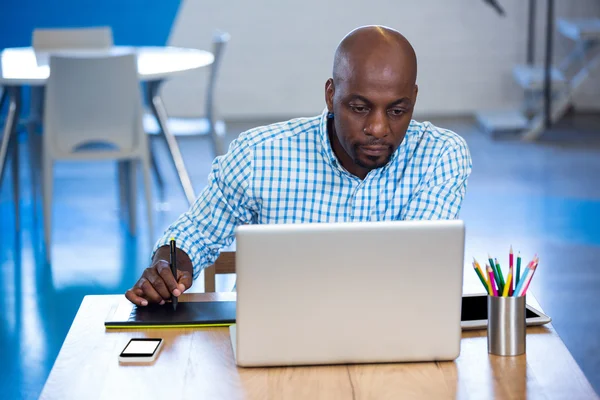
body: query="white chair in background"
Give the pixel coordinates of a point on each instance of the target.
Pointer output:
(92, 101)
(95, 38)
(208, 123)
(45, 41)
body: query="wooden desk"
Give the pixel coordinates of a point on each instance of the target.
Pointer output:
(197, 363)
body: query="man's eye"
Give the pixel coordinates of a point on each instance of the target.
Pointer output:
(359, 109)
(396, 112)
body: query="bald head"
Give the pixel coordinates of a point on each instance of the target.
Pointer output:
(371, 47)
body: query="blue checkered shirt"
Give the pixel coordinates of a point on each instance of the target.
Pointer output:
(287, 173)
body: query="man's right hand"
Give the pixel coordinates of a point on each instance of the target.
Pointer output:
(157, 283)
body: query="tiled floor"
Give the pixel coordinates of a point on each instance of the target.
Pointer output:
(542, 198)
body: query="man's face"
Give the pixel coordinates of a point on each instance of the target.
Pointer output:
(373, 107)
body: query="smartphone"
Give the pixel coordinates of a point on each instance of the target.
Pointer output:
(474, 313)
(141, 350)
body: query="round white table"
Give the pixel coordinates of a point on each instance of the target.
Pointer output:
(21, 67)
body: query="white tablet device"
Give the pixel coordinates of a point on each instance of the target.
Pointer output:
(141, 350)
(474, 313)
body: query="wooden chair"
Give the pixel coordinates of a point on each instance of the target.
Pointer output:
(225, 264)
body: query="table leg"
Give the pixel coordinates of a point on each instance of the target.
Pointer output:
(131, 173)
(16, 186)
(5, 137)
(159, 179)
(160, 113)
(34, 129)
(548, 65)
(3, 96)
(9, 141)
(10, 125)
(126, 171)
(122, 179)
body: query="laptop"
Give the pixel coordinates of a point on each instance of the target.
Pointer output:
(348, 293)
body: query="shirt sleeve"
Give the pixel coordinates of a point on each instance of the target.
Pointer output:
(226, 202)
(442, 194)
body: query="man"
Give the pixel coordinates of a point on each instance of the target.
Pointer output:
(363, 159)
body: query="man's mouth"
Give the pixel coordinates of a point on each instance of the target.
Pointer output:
(375, 150)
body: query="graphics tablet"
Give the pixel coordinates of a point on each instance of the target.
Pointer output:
(187, 314)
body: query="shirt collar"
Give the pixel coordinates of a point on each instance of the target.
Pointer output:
(325, 142)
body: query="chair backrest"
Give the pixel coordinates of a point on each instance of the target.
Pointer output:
(91, 100)
(220, 40)
(225, 264)
(45, 41)
(72, 38)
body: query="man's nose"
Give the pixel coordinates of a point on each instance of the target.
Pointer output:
(377, 125)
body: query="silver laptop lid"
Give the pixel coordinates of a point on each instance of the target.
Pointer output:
(349, 292)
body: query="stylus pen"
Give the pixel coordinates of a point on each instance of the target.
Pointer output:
(174, 270)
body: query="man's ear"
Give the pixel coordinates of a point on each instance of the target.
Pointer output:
(329, 92)
(416, 91)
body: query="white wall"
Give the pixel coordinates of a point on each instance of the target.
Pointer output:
(281, 52)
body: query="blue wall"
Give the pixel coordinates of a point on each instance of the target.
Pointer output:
(134, 22)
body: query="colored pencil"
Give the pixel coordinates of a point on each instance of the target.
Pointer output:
(478, 272)
(501, 284)
(490, 260)
(528, 279)
(524, 278)
(511, 259)
(518, 275)
(524, 283)
(483, 272)
(528, 282)
(511, 285)
(508, 285)
(492, 283)
(494, 270)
